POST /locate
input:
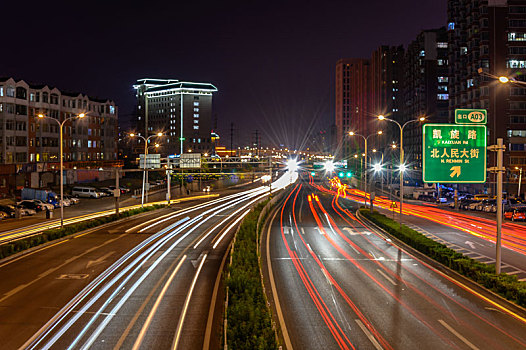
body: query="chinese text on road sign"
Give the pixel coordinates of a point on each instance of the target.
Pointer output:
(454, 153)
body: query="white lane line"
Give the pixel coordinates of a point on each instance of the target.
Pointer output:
(368, 334)
(522, 279)
(230, 227)
(386, 277)
(146, 324)
(513, 272)
(186, 303)
(458, 335)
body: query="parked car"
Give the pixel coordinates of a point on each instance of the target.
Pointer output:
(45, 206)
(87, 192)
(490, 206)
(106, 191)
(473, 205)
(26, 211)
(8, 209)
(515, 214)
(30, 204)
(67, 202)
(73, 200)
(481, 196)
(122, 188)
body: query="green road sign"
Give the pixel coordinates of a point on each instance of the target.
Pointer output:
(471, 116)
(454, 153)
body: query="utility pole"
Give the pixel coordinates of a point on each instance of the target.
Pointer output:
(168, 180)
(117, 192)
(499, 169)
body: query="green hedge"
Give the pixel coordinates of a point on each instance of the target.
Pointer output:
(249, 322)
(506, 285)
(56, 233)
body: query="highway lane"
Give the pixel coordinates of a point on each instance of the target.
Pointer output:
(340, 285)
(150, 282)
(471, 235)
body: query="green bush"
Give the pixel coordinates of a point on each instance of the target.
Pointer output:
(249, 322)
(56, 233)
(508, 286)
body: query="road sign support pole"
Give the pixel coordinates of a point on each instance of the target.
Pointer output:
(500, 170)
(168, 181)
(117, 188)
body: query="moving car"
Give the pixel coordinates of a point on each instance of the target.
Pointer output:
(73, 200)
(44, 205)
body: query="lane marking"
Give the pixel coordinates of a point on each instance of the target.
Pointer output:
(458, 335)
(186, 303)
(368, 334)
(146, 324)
(284, 330)
(387, 277)
(49, 271)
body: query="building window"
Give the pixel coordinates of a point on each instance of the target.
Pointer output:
(516, 36)
(517, 50)
(196, 121)
(422, 53)
(443, 96)
(516, 64)
(196, 103)
(517, 105)
(1, 91)
(442, 45)
(469, 83)
(451, 26)
(10, 91)
(516, 133)
(196, 109)
(443, 79)
(517, 23)
(196, 115)
(45, 97)
(518, 119)
(463, 50)
(442, 62)
(442, 87)
(517, 146)
(196, 127)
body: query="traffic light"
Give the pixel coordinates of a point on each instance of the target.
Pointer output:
(349, 174)
(340, 174)
(313, 173)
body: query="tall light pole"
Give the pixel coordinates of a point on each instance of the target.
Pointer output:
(402, 165)
(145, 139)
(352, 133)
(61, 139)
(520, 180)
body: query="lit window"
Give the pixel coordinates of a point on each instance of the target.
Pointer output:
(451, 26)
(516, 64)
(442, 45)
(516, 36)
(196, 109)
(196, 127)
(443, 79)
(196, 115)
(422, 53)
(196, 103)
(196, 121)
(443, 97)
(469, 83)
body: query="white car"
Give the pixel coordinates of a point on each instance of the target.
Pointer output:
(46, 206)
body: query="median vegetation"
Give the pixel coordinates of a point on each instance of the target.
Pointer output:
(56, 233)
(249, 321)
(508, 286)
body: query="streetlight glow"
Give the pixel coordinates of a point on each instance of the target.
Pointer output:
(159, 134)
(132, 134)
(81, 115)
(402, 167)
(504, 80)
(381, 117)
(422, 119)
(380, 132)
(329, 166)
(351, 133)
(378, 167)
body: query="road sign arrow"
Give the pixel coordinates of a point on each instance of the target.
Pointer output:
(471, 244)
(99, 260)
(456, 171)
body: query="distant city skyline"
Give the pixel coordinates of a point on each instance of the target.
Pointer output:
(272, 63)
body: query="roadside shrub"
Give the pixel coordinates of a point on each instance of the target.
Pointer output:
(508, 286)
(249, 322)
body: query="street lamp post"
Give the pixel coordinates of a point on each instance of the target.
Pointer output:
(351, 133)
(61, 139)
(145, 158)
(402, 165)
(520, 180)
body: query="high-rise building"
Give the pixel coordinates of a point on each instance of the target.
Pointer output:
(180, 110)
(491, 35)
(353, 103)
(425, 91)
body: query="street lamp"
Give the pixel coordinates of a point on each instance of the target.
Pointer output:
(352, 133)
(159, 134)
(61, 127)
(402, 165)
(520, 180)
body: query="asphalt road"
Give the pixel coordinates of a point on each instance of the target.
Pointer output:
(341, 285)
(149, 282)
(468, 233)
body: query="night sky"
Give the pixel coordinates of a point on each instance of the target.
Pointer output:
(273, 62)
